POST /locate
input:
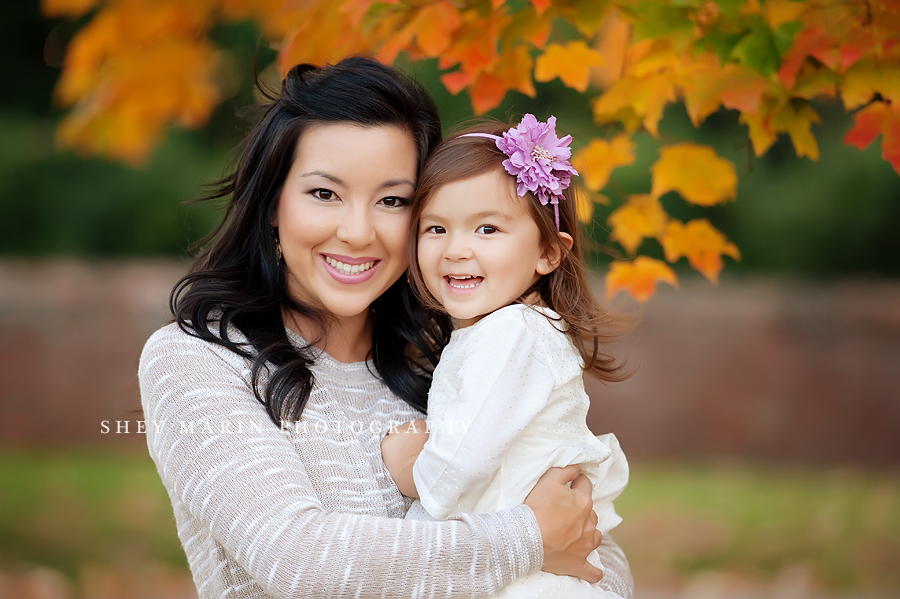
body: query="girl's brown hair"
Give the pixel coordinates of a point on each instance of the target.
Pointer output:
(565, 290)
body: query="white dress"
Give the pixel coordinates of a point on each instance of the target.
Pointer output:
(508, 402)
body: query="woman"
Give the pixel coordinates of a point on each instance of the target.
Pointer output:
(296, 346)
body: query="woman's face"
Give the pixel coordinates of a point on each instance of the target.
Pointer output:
(343, 215)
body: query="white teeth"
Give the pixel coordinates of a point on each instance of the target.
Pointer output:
(461, 278)
(349, 269)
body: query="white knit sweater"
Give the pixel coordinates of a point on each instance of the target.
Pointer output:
(309, 510)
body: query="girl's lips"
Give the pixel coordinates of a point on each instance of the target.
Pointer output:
(462, 286)
(332, 264)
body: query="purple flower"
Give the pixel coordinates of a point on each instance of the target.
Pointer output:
(538, 159)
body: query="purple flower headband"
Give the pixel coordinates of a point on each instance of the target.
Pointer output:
(538, 159)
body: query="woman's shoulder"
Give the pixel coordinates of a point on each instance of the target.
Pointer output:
(172, 341)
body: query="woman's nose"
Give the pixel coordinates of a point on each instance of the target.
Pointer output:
(356, 227)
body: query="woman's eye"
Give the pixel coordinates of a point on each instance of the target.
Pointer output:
(324, 194)
(486, 229)
(394, 202)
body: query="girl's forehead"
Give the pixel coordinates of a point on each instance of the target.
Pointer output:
(493, 191)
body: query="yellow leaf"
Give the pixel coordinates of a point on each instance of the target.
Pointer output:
(796, 118)
(696, 172)
(636, 101)
(572, 63)
(584, 207)
(779, 12)
(596, 162)
(642, 216)
(868, 77)
(638, 278)
(703, 245)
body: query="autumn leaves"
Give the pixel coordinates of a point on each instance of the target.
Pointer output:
(138, 66)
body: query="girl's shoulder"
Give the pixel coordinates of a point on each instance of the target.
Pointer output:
(538, 321)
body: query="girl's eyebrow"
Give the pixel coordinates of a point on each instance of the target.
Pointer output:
(492, 214)
(339, 181)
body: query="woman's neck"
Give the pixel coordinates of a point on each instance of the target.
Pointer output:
(347, 339)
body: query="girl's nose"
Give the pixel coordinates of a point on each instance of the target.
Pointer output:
(457, 248)
(356, 227)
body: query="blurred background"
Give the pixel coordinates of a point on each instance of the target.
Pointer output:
(762, 425)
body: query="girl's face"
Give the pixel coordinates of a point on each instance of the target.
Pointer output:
(479, 248)
(343, 215)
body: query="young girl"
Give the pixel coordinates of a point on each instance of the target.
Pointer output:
(495, 245)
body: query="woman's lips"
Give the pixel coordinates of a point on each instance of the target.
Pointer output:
(346, 269)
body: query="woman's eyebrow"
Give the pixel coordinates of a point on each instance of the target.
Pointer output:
(328, 176)
(396, 183)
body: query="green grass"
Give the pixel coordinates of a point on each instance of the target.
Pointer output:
(840, 524)
(66, 509)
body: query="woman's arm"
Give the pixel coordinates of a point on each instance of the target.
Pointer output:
(251, 492)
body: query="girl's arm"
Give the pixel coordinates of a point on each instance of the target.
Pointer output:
(399, 450)
(503, 383)
(250, 493)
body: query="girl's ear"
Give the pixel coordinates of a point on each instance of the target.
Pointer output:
(553, 254)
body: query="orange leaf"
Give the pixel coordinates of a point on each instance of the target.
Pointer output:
(812, 41)
(596, 162)
(643, 216)
(541, 5)
(636, 102)
(696, 172)
(71, 9)
(703, 245)
(474, 47)
(638, 278)
(572, 63)
(358, 8)
(878, 118)
(736, 86)
(436, 24)
(869, 77)
(513, 71)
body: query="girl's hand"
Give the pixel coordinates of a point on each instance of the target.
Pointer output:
(567, 521)
(399, 451)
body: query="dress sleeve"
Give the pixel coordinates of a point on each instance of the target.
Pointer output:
(616, 571)
(503, 383)
(250, 490)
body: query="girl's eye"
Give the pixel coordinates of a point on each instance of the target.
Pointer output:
(394, 202)
(486, 229)
(436, 229)
(324, 194)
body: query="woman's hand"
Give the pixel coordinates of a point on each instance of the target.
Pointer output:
(399, 451)
(567, 521)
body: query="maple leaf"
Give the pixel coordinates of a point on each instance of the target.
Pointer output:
(796, 117)
(71, 9)
(584, 207)
(642, 216)
(636, 102)
(867, 78)
(878, 118)
(701, 243)
(812, 41)
(540, 5)
(734, 86)
(596, 162)
(513, 71)
(474, 48)
(696, 172)
(638, 278)
(527, 26)
(572, 63)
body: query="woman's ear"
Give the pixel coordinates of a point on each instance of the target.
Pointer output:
(553, 254)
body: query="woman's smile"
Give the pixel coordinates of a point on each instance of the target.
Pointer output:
(350, 270)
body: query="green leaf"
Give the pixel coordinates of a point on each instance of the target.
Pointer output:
(655, 19)
(757, 50)
(784, 36)
(721, 42)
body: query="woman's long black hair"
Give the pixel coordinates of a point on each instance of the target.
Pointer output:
(238, 279)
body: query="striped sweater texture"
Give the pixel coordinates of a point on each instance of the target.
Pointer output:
(308, 509)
